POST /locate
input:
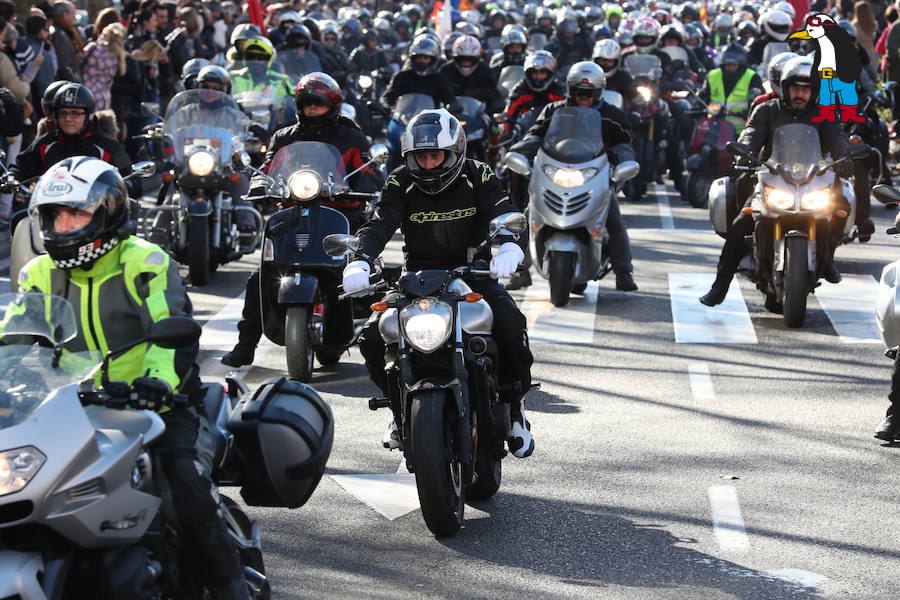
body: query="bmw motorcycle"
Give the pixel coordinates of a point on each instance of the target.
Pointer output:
(298, 282)
(198, 222)
(797, 203)
(442, 380)
(570, 191)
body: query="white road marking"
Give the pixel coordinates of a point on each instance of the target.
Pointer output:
(804, 578)
(727, 323)
(727, 521)
(221, 330)
(701, 383)
(391, 495)
(571, 324)
(665, 208)
(850, 305)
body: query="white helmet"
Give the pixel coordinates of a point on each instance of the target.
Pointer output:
(434, 130)
(786, 7)
(466, 54)
(778, 25)
(776, 65)
(723, 23)
(608, 49)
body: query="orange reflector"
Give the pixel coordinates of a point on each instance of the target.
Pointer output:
(535, 227)
(855, 139)
(841, 213)
(379, 306)
(168, 176)
(234, 177)
(747, 210)
(472, 297)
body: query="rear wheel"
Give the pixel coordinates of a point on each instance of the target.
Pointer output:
(198, 250)
(562, 268)
(298, 342)
(698, 185)
(796, 281)
(438, 475)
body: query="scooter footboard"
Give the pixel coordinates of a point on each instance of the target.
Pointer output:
(19, 575)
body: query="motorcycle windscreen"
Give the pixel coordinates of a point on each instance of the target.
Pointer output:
(322, 159)
(575, 135)
(510, 76)
(296, 63)
(796, 147)
(472, 111)
(203, 118)
(643, 65)
(537, 41)
(409, 105)
(676, 54)
(261, 106)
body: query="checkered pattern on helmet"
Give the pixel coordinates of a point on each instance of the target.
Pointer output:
(86, 257)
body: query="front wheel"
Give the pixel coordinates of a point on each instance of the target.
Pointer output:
(298, 342)
(488, 473)
(438, 475)
(698, 185)
(796, 281)
(562, 268)
(198, 250)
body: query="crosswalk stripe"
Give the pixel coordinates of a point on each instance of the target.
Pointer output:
(727, 323)
(728, 523)
(665, 208)
(850, 306)
(701, 383)
(571, 324)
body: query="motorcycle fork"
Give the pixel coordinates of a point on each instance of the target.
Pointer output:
(778, 264)
(217, 221)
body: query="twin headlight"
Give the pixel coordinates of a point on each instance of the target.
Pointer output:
(783, 200)
(569, 178)
(427, 323)
(201, 163)
(18, 467)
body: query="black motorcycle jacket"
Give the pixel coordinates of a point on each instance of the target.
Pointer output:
(366, 62)
(408, 82)
(499, 60)
(349, 141)
(616, 132)
(334, 62)
(569, 51)
(481, 84)
(438, 229)
(51, 148)
(769, 116)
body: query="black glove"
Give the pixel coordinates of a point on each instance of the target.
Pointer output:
(845, 169)
(149, 393)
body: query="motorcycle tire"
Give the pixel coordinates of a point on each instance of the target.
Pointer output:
(488, 473)
(796, 282)
(298, 343)
(198, 251)
(562, 268)
(328, 357)
(578, 288)
(439, 479)
(698, 185)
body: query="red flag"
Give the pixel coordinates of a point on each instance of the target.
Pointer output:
(255, 12)
(801, 8)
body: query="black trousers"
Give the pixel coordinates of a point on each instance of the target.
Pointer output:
(510, 331)
(894, 394)
(186, 454)
(619, 244)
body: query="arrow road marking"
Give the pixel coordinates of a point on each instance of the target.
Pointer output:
(728, 523)
(571, 324)
(727, 323)
(391, 495)
(850, 305)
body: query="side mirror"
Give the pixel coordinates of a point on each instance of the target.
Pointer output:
(512, 222)
(174, 332)
(517, 163)
(625, 171)
(145, 168)
(340, 244)
(886, 194)
(240, 160)
(738, 149)
(379, 153)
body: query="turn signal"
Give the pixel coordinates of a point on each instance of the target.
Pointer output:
(379, 306)
(168, 176)
(747, 210)
(234, 177)
(472, 297)
(841, 213)
(855, 139)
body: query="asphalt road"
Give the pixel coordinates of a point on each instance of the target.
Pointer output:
(736, 463)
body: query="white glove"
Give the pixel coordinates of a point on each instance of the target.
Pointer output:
(356, 276)
(507, 261)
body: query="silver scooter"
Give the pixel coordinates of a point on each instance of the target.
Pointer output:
(570, 192)
(887, 302)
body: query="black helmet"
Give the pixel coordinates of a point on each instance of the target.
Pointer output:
(369, 35)
(298, 36)
(49, 93)
(86, 184)
(190, 70)
(318, 87)
(74, 95)
(424, 46)
(214, 74)
(734, 55)
(434, 130)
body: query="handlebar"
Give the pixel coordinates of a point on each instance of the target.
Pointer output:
(115, 395)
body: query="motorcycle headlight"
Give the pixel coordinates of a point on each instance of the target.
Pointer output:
(18, 467)
(365, 82)
(304, 185)
(569, 178)
(201, 163)
(779, 199)
(427, 323)
(815, 200)
(645, 92)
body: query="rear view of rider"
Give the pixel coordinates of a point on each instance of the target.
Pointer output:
(421, 77)
(120, 285)
(460, 196)
(318, 99)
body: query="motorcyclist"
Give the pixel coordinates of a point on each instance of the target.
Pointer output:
(513, 42)
(544, 23)
(318, 99)
(120, 286)
(367, 57)
(695, 42)
(776, 27)
(234, 57)
(613, 15)
(296, 56)
(796, 105)
(335, 61)
(569, 45)
(608, 54)
(460, 196)
(889, 429)
(257, 75)
(584, 88)
(421, 76)
(538, 88)
(469, 76)
(733, 85)
(190, 71)
(773, 73)
(723, 31)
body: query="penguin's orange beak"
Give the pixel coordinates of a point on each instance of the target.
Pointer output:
(800, 35)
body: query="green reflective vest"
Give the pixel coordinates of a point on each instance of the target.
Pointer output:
(739, 98)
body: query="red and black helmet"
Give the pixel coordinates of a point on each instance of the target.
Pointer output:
(318, 88)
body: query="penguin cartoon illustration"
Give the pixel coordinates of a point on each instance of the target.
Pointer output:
(836, 65)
